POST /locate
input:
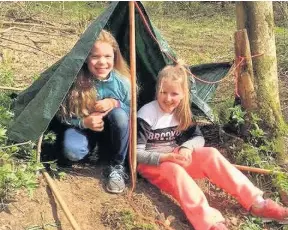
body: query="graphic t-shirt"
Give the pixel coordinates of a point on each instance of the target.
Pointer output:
(157, 133)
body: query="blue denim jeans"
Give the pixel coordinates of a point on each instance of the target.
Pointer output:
(78, 143)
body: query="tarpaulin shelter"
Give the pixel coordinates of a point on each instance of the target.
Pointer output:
(36, 106)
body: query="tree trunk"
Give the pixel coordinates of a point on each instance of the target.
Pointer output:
(259, 23)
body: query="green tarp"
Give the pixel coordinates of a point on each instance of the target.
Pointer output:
(37, 105)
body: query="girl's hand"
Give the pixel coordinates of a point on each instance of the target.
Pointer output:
(187, 153)
(102, 114)
(105, 105)
(94, 122)
(173, 157)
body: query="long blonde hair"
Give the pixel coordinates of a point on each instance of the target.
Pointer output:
(178, 74)
(81, 97)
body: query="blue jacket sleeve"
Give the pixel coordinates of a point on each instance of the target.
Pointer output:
(125, 101)
(74, 121)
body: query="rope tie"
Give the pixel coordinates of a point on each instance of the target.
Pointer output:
(237, 68)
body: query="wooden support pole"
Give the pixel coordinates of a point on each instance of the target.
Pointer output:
(133, 110)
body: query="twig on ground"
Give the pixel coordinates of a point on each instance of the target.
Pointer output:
(9, 146)
(30, 31)
(39, 148)
(35, 20)
(11, 48)
(17, 208)
(36, 42)
(11, 88)
(6, 39)
(6, 30)
(70, 30)
(149, 219)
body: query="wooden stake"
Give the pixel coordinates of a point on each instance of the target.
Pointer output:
(133, 110)
(255, 170)
(245, 70)
(240, 16)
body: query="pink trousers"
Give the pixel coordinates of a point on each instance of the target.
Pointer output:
(178, 182)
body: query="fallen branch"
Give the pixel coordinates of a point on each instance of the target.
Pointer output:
(70, 30)
(55, 191)
(63, 205)
(33, 47)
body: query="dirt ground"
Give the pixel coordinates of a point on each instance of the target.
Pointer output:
(82, 187)
(93, 208)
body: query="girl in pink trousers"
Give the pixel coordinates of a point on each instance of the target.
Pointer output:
(171, 154)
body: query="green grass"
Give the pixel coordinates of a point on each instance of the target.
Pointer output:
(6, 70)
(65, 9)
(200, 39)
(252, 223)
(75, 14)
(281, 34)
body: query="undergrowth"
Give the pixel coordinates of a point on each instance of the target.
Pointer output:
(259, 150)
(18, 164)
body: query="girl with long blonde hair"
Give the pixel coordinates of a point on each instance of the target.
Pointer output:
(171, 154)
(97, 109)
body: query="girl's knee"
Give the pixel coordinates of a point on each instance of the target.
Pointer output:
(75, 145)
(211, 151)
(214, 154)
(170, 168)
(119, 118)
(75, 153)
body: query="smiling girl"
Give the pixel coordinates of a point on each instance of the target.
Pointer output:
(171, 154)
(97, 109)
